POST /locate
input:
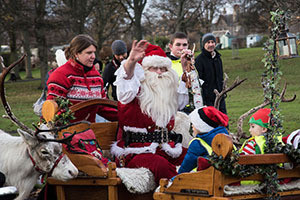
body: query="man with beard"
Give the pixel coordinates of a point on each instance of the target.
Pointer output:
(119, 51)
(147, 95)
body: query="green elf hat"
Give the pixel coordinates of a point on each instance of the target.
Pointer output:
(261, 117)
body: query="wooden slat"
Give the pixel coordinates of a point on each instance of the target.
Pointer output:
(105, 133)
(89, 181)
(261, 159)
(181, 196)
(104, 102)
(60, 192)
(192, 180)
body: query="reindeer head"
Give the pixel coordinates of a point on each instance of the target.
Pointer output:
(44, 150)
(47, 156)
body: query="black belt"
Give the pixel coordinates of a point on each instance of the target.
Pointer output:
(158, 136)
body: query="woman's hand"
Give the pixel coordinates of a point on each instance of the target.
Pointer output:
(136, 54)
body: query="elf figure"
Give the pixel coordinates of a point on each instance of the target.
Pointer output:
(258, 123)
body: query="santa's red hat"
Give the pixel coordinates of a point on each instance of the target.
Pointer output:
(155, 57)
(207, 118)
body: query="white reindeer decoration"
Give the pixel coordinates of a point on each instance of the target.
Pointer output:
(23, 159)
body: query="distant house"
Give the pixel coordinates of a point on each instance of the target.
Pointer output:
(224, 39)
(4, 49)
(252, 39)
(229, 23)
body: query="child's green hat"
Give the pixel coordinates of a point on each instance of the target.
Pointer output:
(261, 117)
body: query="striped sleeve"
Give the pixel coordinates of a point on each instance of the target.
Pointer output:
(249, 148)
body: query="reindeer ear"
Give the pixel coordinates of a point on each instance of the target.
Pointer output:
(27, 137)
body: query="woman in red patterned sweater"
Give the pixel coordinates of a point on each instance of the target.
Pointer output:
(78, 80)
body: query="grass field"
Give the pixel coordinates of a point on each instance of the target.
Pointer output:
(21, 95)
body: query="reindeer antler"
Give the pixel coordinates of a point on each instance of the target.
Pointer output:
(65, 140)
(240, 133)
(219, 96)
(6, 106)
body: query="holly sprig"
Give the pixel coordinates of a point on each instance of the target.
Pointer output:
(64, 114)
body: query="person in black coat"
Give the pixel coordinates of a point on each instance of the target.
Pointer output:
(210, 70)
(119, 51)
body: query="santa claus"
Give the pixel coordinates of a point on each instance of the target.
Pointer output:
(147, 94)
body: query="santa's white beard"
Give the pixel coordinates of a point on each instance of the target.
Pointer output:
(158, 96)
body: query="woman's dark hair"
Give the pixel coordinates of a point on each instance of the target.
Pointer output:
(78, 44)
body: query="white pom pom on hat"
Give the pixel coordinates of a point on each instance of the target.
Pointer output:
(207, 118)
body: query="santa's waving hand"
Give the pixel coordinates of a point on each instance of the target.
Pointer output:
(137, 53)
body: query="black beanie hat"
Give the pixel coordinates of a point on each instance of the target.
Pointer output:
(208, 36)
(118, 47)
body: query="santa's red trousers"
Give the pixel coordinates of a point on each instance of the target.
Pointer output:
(160, 164)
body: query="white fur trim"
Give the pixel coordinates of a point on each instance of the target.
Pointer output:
(251, 189)
(295, 134)
(140, 150)
(118, 151)
(115, 150)
(9, 190)
(173, 152)
(182, 126)
(198, 123)
(156, 61)
(241, 189)
(137, 180)
(135, 129)
(296, 141)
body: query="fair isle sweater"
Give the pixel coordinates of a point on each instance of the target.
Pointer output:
(72, 82)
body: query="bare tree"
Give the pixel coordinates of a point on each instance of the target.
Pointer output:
(40, 31)
(10, 19)
(109, 16)
(78, 11)
(185, 15)
(137, 6)
(255, 14)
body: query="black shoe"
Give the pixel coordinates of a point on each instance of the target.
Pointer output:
(8, 193)
(2, 179)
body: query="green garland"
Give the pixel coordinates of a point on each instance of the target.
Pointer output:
(270, 81)
(64, 114)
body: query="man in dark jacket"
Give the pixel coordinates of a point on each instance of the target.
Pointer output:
(210, 69)
(119, 51)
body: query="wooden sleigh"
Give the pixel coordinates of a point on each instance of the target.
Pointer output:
(209, 183)
(99, 182)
